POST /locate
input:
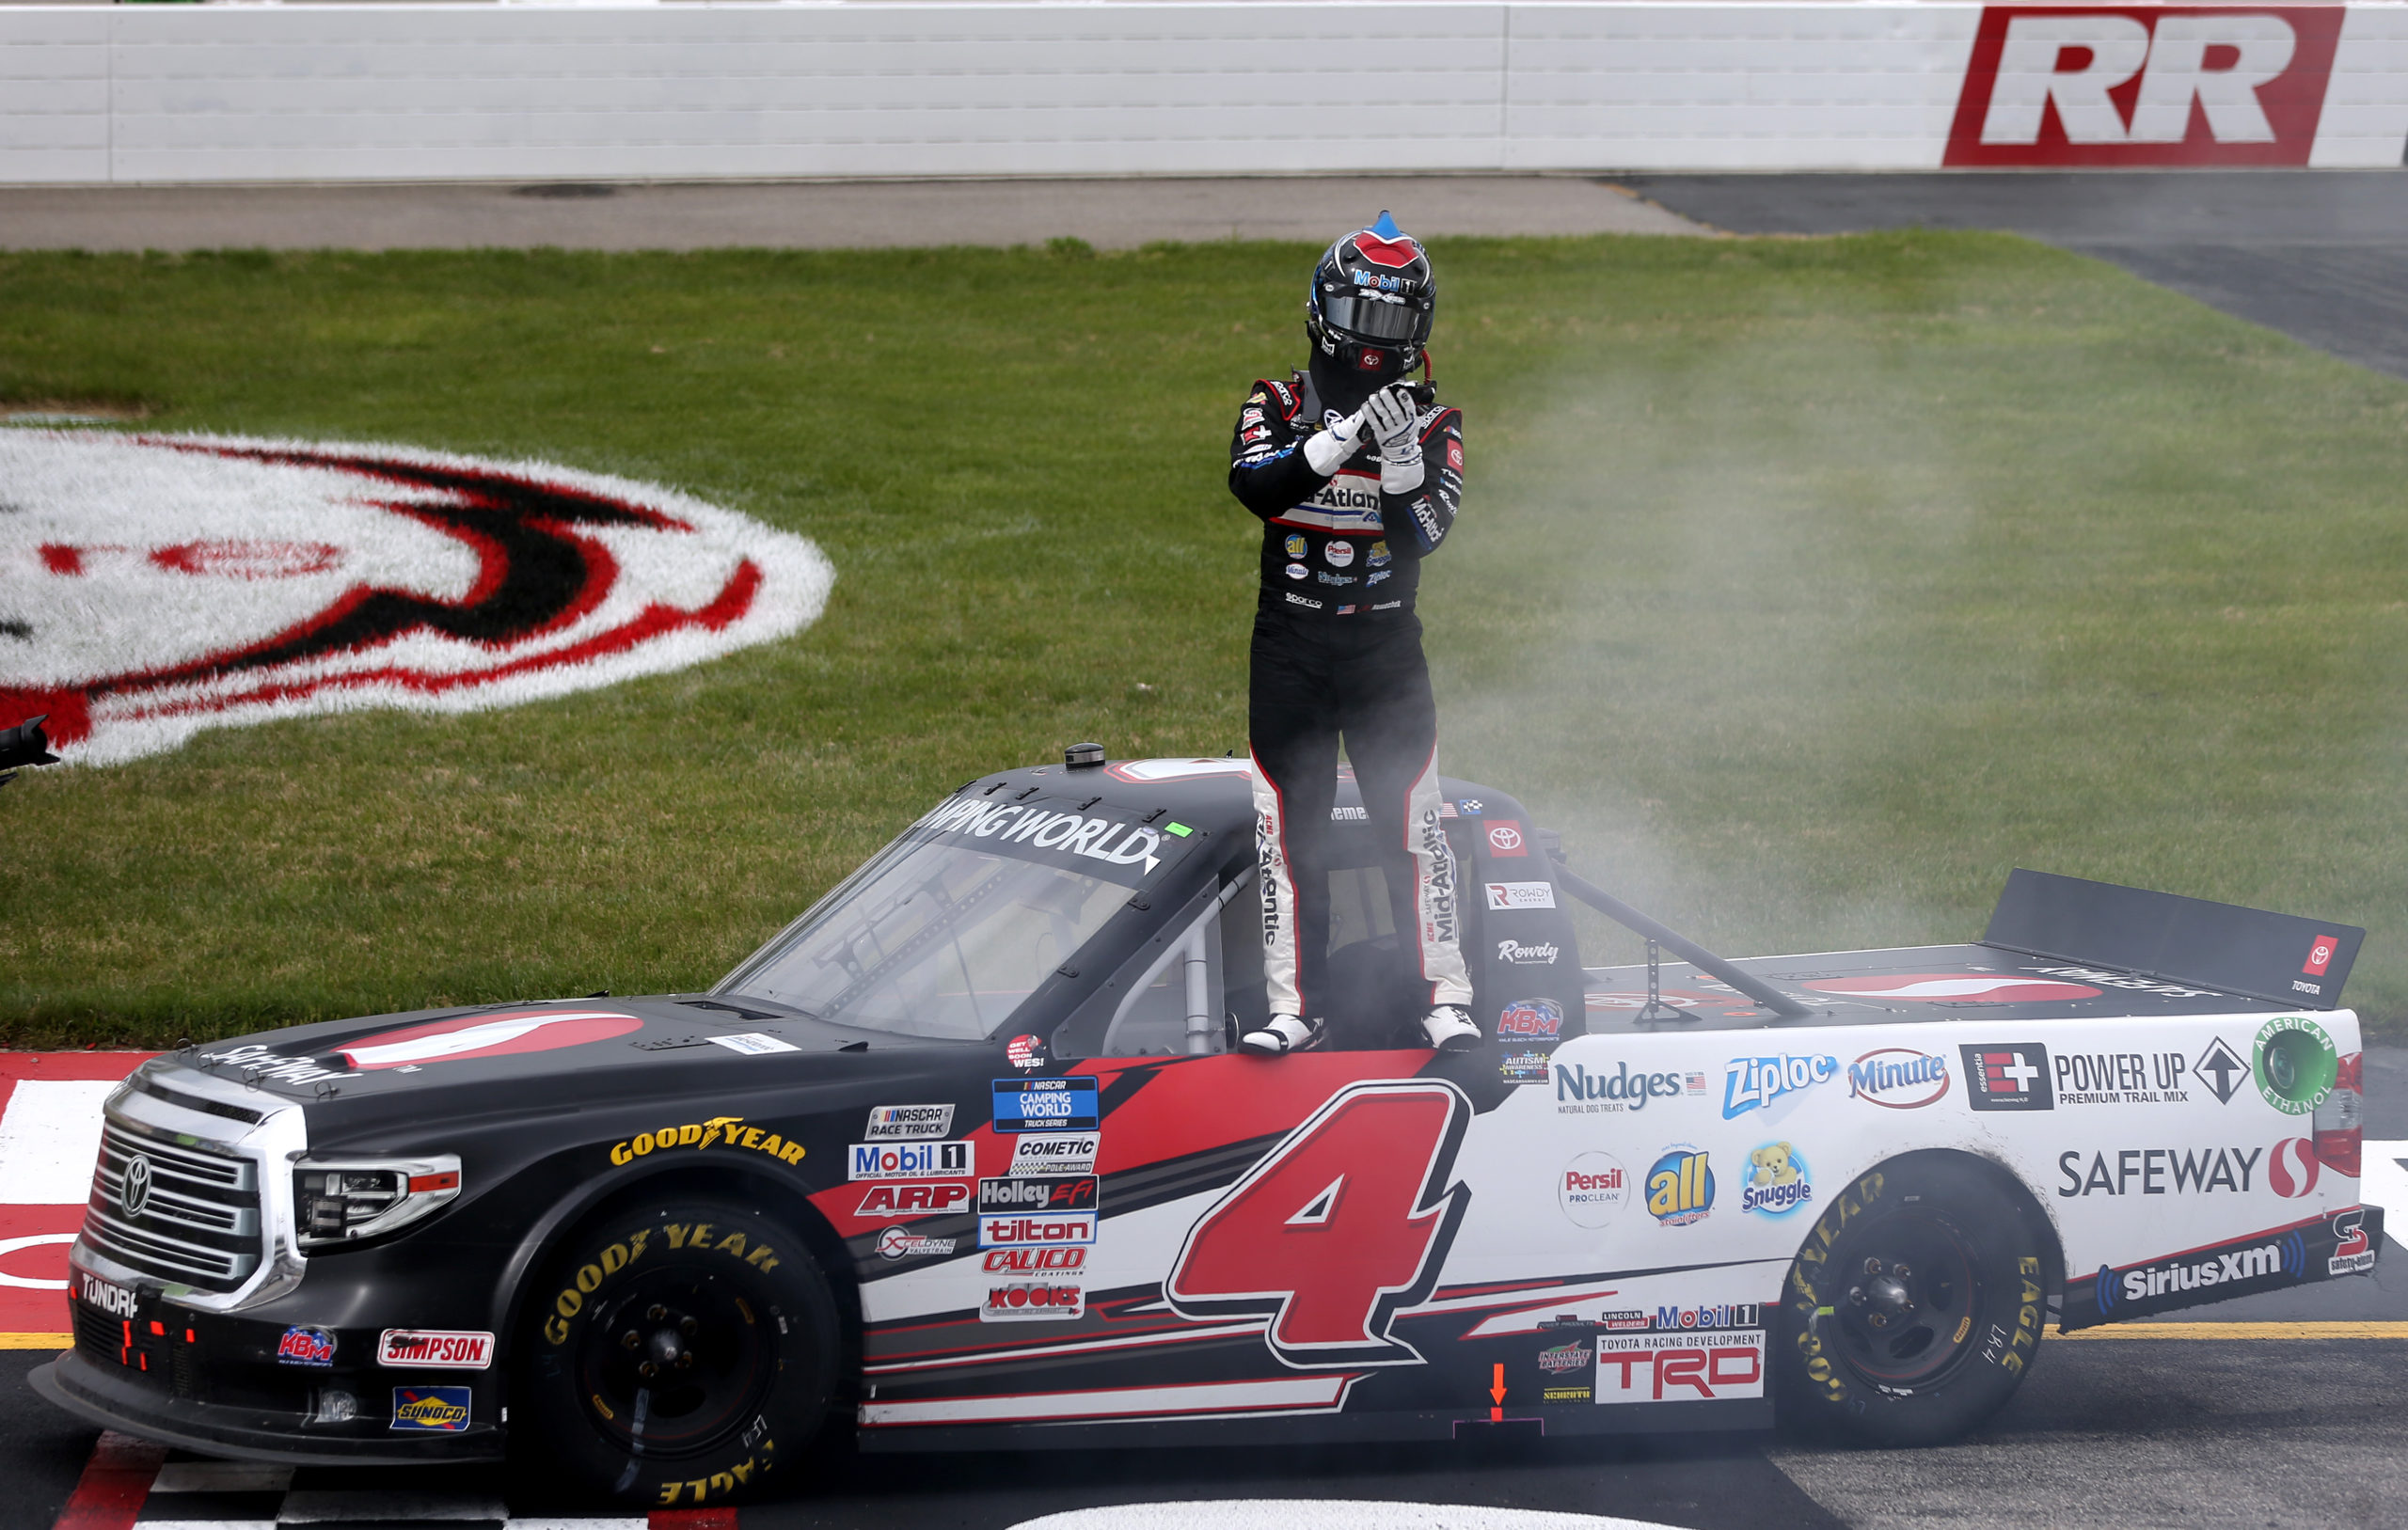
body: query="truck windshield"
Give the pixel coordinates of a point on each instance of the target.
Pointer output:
(950, 930)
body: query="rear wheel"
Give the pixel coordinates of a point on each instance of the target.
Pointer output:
(1914, 1308)
(675, 1356)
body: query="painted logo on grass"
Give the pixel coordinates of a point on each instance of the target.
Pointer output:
(154, 586)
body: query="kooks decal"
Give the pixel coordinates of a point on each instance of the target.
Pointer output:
(154, 586)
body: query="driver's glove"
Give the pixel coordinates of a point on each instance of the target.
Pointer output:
(1391, 415)
(1327, 448)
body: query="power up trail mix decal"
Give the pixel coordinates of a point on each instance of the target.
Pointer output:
(154, 586)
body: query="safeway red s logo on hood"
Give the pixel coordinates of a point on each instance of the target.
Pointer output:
(2144, 85)
(152, 586)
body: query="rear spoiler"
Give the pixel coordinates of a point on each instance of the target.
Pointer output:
(2286, 960)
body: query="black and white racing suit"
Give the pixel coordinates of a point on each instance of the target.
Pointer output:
(1338, 652)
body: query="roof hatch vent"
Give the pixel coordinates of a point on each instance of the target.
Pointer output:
(1082, 756)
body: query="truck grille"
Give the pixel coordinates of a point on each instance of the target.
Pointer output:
(197, 1216)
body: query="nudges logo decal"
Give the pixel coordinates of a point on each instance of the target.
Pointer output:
(154, 586)
(1753, 1083)
(2144, 85)
(1577, 1090)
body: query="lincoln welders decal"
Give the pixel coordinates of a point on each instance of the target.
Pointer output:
(154, 586)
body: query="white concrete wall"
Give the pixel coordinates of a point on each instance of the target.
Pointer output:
(370, 92)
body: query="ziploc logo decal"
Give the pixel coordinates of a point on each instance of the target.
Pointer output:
(1046, 1105)
(1754, 1082)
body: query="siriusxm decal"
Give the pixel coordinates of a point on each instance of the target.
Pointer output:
(1756, 1081)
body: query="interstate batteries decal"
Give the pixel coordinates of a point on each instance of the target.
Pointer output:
(154, 586)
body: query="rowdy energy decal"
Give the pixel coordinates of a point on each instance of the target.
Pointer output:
(154, 586)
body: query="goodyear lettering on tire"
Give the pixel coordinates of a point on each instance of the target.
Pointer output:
(1812, 1264)
(688, 1237)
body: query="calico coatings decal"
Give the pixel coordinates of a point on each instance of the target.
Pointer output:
(157, 584)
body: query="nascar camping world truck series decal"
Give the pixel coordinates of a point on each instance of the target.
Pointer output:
(154, 586)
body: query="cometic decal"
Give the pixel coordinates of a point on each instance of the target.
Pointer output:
(159, 585)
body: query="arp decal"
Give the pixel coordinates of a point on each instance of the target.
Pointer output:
(1342, 1225)
(160, 585)
(2144, 85)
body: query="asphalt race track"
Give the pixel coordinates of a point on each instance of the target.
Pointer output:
(2321, 257)
(2236, 1415)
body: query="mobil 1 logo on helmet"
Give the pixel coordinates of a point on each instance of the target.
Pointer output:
(2144, 85)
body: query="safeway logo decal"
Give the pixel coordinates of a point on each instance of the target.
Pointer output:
(2144, 85)
(154, 586)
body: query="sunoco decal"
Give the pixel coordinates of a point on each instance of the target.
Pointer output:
(154, 586)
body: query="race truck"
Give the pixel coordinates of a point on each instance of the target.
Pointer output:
(965, 1159)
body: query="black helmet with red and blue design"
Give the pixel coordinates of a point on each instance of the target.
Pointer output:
(1373, 301)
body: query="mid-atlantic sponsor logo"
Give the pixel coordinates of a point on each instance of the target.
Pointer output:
(1070, 1153)
(1680, 1187)
(2007, 1076)
(2162, 1284)
(1577, 1090)
(1899, 1078)
(2122, 1078)
(1438, 919)
(1033, 1301)
(421, 1348)
(1035, 1261)
(1514, 952)
(719, 1131)
(1531, 1019)
(911, 1160)
(1055, 1105)
(1753, 1083)
(2159, 1170)
(894, 1243)
(1038, 1193)
(1661, 1368)
(908, 1123)
(913, 1198)
(1779, 1181)
(312, 1347)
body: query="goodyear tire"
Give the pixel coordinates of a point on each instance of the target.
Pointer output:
(1913, 1309)
(676, 1356)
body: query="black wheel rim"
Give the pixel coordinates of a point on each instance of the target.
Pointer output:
(675, 1362)
(1906, 1301)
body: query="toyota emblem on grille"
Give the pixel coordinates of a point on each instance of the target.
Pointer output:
(135, 1192)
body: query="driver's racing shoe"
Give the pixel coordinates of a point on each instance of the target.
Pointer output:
(1449, 1029)
(1282, 1035)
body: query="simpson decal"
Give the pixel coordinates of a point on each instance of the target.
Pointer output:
(155, 586)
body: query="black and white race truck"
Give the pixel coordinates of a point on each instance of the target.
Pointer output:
(963, 1159)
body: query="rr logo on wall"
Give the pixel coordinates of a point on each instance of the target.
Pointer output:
(2144, 85)
(154, 586)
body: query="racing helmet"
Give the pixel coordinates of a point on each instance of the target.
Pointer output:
(1372, 300)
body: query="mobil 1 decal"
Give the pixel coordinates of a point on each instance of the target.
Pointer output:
(152, 586)
(1339, 1227)
(1048, 1105)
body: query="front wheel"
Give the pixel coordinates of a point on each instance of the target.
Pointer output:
(1913, 1309)
(674, 1356)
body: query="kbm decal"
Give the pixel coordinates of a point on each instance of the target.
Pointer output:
(1658, 1367)
(2261, 1264)
(1779, 1181)
(1531, 1019)
(2159, 1170)
(1754, 1082)
(2154, 84)
(1680, 1187)
(1046, 1105)
(723, 1130)
(1899, 1078)
(158, 585)
(312, 1347)
(2297, 1063)
(431, 1409)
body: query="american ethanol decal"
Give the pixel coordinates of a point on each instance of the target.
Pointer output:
(154, 586)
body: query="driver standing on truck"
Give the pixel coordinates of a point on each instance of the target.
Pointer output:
(1355, 473)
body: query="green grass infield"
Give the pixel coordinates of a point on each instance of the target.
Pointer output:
(1806, 585)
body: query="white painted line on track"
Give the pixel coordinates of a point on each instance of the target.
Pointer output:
(221, 1476)
(340, 1505)
(1322, 1514)
(49, 1138)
